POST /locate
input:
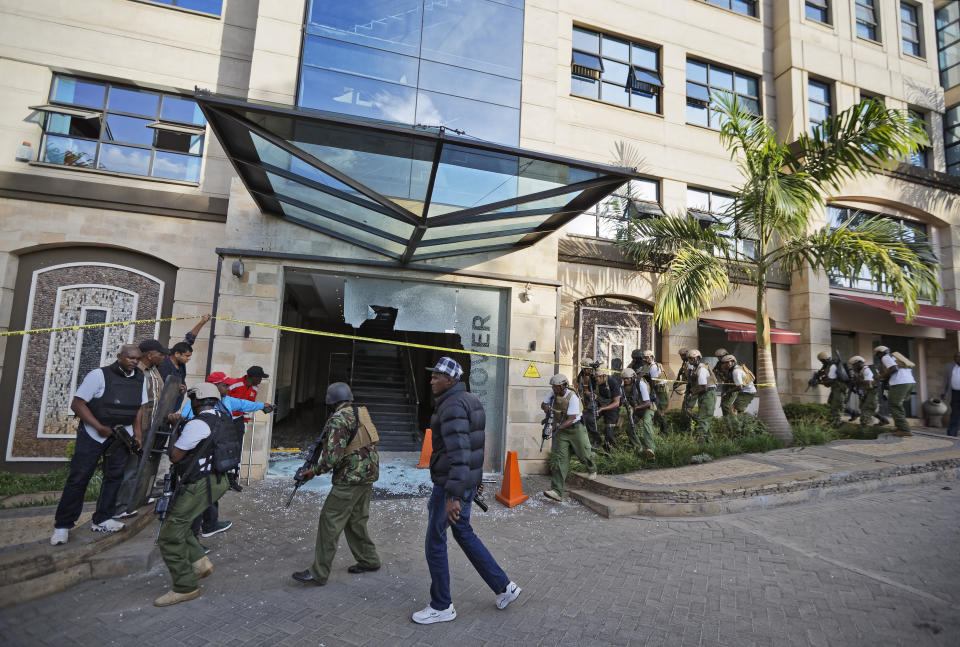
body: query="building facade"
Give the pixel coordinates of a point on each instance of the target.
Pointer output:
(448, 173)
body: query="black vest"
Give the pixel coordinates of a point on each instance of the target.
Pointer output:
(210, 453)
(121, 397)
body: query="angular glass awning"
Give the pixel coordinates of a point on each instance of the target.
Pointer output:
(407, 193)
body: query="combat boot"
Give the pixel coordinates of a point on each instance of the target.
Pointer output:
(172, 597)
(203, 567)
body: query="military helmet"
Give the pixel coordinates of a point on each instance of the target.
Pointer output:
(339, 392)
(683, 352)
(637, 353)
(587, 362)
(881, 349)
(856, 359)
(728, 358)
(558, 380)
(823, 356)
(694, 354)
(628, 372)
(649, 353)
(721, 353)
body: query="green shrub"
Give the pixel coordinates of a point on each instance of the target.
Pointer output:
(811, 431)
(677, 422)
(856, 432)
(20, 483)
(810, 411)
(740, 425)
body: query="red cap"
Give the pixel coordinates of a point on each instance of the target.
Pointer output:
(217, 378)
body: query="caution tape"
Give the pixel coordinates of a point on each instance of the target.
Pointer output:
(322, 333)
(134, 322)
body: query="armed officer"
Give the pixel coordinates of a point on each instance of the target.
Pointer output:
(586, 392)
(683, 378)
(867, 387)
(350, 450)
(608, 405)
(659, 379)
(897, 371)
(724, 376)
(640, 408)
(829, 376)
(201, 484)
(569, 433)
(704, 384)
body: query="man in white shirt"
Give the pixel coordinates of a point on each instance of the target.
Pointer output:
(866, 384)
(951, 387)
(108, 398)
(901, 386)
(742, 383)
(570, 434)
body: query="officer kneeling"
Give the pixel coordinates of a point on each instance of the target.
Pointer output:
(204, 454)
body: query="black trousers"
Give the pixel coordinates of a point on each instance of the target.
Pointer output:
(954, 412)
(82, 466)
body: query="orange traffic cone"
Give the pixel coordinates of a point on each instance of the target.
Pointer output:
(426, 450)
(511, 493)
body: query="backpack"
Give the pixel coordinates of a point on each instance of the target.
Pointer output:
(365, 434)
(222, 450)
(902, 361)
(749, 377)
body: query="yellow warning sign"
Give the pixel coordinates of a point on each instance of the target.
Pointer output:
(531, 371)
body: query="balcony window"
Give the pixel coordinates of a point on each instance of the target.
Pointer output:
(712, 210)
(921, 157)
(864, 280)
(705, 80)
(109, 127)
(867, 22)
(746, 7)
(948, 43)
(910, 29)
(636, 199)
(615, 70)
(818, 103)
(818, 10)
(951, 139)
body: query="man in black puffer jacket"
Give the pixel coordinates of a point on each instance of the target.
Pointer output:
(456, 468)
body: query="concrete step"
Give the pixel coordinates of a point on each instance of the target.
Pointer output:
(605, 506)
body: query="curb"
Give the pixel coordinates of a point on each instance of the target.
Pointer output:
(609, 500)
(37, 569)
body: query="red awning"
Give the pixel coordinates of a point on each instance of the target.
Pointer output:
(737, 331)
(932, 316)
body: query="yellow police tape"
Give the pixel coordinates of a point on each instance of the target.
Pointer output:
(322, 333)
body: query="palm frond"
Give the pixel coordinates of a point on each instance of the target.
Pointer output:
(654, 241)
(850, 143)
(906, 263)
(694, 279)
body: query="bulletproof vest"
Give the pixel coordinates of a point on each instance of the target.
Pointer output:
(560, 405)
(121, 396)
(661, 380)
(218, 453)
(586, 387)
(603, 393)
(631, 393)
(748, 376)
(711, 378)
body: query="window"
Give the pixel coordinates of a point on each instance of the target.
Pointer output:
(818, 103)
(615, 70)
(746, 7)
(711, 208)
(910, 29)
(417, 62)
(90, 124)
(212, 7)
(836, 216)
(867, 22)
(818, 10)
(921, 157)
(704, 80)
(636, 199)
(951, 139)
(948, 43)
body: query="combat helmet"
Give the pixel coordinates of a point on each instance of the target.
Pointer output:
(558, 380)
(823, 356)
(339, 392)
(628, 373)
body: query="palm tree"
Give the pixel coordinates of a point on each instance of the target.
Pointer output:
(783, 185)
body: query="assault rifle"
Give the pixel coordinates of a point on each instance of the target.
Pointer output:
(629, 405)
(165, 499)
(547, 424)
(120, 437)
(312, 458)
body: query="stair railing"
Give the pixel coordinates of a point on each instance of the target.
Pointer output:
(412, 391)
(353, 356)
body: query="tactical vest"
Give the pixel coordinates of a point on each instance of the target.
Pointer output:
(604, 396)
(365, 434)
(902, 361)
(586, 387)
(219, 453)
(121, 396)
(661, 379)
(560, 405)
(748, 376)
(631, 393)
(711, 378)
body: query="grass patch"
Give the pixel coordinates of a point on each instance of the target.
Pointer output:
(806, 412)
(12, 483)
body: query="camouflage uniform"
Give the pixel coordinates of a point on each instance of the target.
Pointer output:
(347, 507)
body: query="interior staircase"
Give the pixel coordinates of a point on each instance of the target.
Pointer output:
(381, 382)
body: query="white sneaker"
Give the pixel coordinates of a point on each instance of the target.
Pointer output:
(508, 596)
(553, 494)
(108, 525)
(125, 514)
(430, 615)
(60, 536)
(592, 476)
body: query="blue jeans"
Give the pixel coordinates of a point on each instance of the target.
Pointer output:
(954, 412)
(473, 548)
(86, 455)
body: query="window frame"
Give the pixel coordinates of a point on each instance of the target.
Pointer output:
(197, 12)
(652, 209)
(711, 217)
(953, 168)
(711, 89)
(818, 5)
(158, 124)
(942, 49)
(828, 85)
(924, 152)
(916, 9)
(631, 85)
(875, 25)
(729, 6)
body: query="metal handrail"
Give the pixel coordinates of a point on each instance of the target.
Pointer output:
(412, 383)
(353, 356)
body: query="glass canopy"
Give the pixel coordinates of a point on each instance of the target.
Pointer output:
(406, 193)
